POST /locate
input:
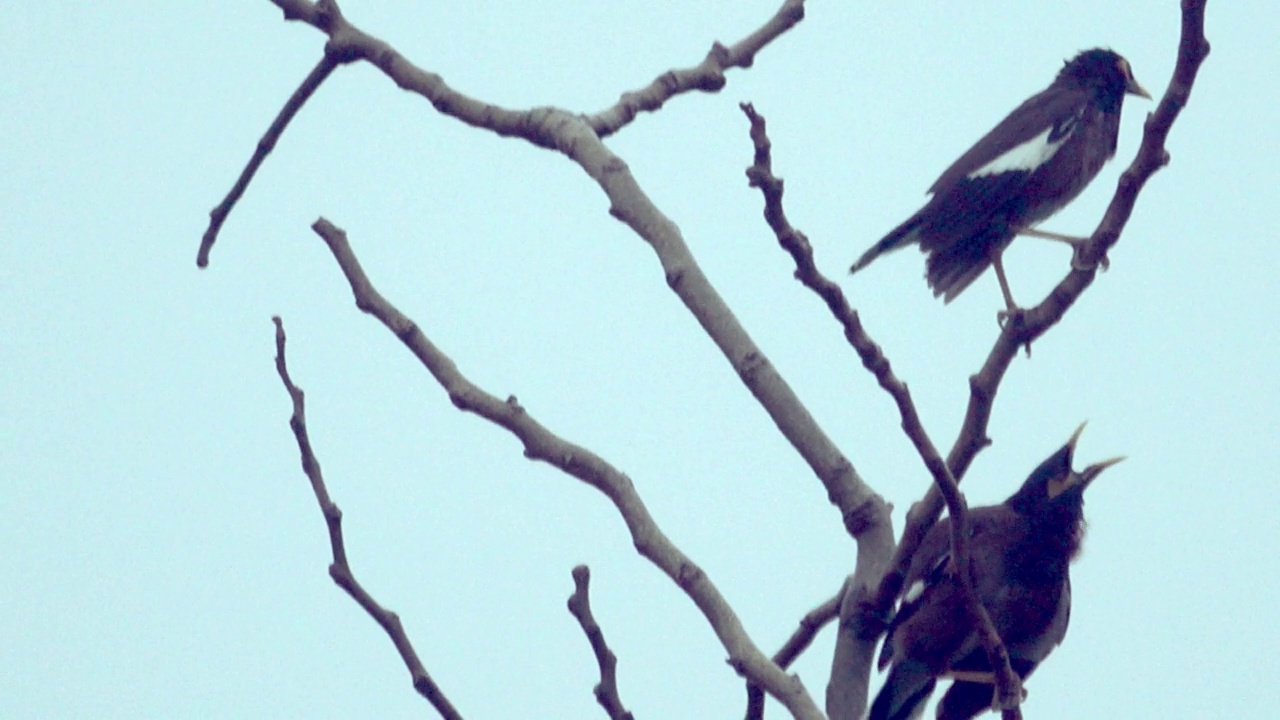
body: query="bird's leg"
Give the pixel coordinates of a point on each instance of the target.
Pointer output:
(984, 677)
(1076, 243)
(1012, 307)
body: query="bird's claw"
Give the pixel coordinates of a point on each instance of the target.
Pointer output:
(1012, 314)
(1078, 263)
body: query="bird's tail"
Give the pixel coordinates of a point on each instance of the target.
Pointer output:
(904, 693)
(901, 236)
(951, 270)
(965, 700)
(954, 266)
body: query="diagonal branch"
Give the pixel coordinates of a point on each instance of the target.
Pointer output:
(847, 691)
(340, 569)
(219, 214)
(579, 462)
(1030, 325)
(570, 135)
(580, 607)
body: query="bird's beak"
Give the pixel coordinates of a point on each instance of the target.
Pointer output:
(1132, 87)
(1075, 437)
(1088, 474)
(1084, 477)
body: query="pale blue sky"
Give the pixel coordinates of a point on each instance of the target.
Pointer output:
(165, 556)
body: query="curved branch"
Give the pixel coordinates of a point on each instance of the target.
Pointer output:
(1023, 328)
(847, 691)
(340, 569)
(575, 460)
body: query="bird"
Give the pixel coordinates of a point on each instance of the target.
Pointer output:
(1020, 551)
(1028, 167)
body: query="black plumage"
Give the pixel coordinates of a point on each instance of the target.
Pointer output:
(1028, 167)
(1019, 554)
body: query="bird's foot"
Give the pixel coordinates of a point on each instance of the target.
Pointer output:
(1016, 697)
(1013, 320)
(1078, 262)
(1013, 314)
(1077, 248)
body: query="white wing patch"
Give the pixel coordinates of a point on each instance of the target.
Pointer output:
(913, 592)
(1031, 154)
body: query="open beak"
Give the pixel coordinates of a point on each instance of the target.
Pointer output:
(1084, 477)
(1075, 437)
(1088, 474)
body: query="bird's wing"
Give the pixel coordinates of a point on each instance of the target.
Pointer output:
(1027, 138)
(930, 567)
(932, 559)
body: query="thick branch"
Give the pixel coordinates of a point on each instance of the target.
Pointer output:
(580, 607)
(340, 569)
(219, 214)
(575, 460)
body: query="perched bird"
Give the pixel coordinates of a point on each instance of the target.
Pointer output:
(1019, 553)
(1027, 168)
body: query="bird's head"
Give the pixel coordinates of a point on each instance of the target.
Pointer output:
(1103, 72)
(1054, 488)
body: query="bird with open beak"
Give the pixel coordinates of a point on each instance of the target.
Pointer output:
(1020, 551)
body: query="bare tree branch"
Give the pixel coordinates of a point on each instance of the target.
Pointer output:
(575, 460)
(810, 624)
(707, 76)
(219, 214)
(606, 691)
(846, 702)
(570, 135)
(340, 569)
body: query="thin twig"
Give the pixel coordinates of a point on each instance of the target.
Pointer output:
(219, 214)
(574, 460)
(606, 691)
(340, 569)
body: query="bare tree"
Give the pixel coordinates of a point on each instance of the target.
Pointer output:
(865, 597)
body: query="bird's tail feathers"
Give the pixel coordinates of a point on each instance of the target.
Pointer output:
(901, 236)
(904, 694)
(965, 700)
(951, 269)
